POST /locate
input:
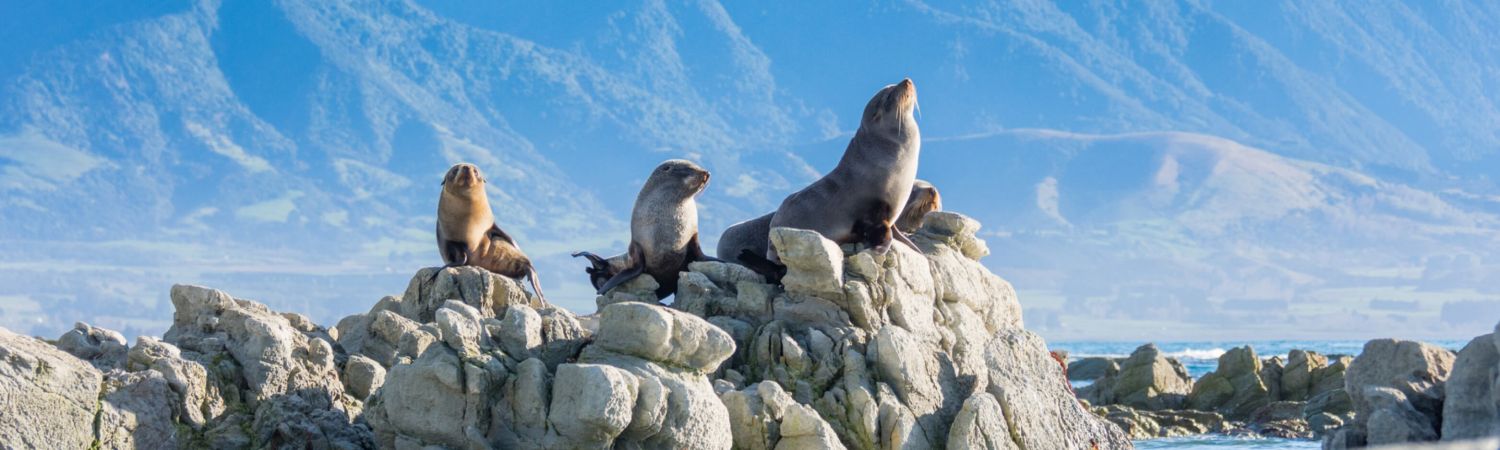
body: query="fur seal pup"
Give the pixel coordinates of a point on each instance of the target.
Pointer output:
(858, 200)
(924, 199)
(467, 234)
(751, 235)
(663, 231)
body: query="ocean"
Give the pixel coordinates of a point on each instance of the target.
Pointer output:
(1202, 357)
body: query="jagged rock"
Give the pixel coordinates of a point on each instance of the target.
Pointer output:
(1330, 377)
(1282, 419)
(1139, 424)
(47, 397)
(662, 335)
(376, 334)
(196, 400)
(1327, 411)
(488, 293)
(520, 331)
(1236, 388)
(1472, 406)
(1094, 368)
(105, 349)
(641, 289)
(363, 376)
(259, 360)
(1146, 380)
(980, 425)
(1297, 378)
(763, 416)
(1033, 392)
(133, 413)
(1396, 388)
(815, 266)
(595, 405)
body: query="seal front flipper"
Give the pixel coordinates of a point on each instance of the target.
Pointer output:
(455, 254)
(599, 272)
(695, 253)
(637, 265)
(873, 227)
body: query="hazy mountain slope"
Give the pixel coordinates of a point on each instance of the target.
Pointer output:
(265, 147)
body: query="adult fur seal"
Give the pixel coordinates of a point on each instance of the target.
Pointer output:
(751, 235)
(858, 200)
(924, 199)
(663, 231)
(467, 234)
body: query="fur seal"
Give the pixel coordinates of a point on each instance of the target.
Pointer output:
(858, 201)
(663, 231)
(751, 235)
(924, 199)
(467, 234)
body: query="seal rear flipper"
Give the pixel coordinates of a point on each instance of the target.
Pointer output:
(637, 266)
(599, 272)
(901, 236)
(536, 285)
(758, 263)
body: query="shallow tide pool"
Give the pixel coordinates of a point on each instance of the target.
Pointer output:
(1221, 442)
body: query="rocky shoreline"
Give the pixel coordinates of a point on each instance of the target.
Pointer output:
(1393, 392)
(907, 349)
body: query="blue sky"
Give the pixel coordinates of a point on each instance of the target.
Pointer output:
(1144, 170)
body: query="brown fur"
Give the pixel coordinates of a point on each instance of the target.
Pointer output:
(467, 234)
(924, 199)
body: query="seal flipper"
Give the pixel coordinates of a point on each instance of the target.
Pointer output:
(904, 239)
(601, 270)
(637, 265)
(455, 254)
(536, 285)
(874, 227)
(695, 253)
(758, 263)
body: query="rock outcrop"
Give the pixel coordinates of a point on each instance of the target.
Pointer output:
(1236, 388)
(1146, 380)
(1472, 406)
(1396, 388)
(912, 348)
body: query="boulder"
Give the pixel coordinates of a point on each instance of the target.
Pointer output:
(1236, 388)
(1471, 408)
(1093, 368)
(1396, 389)
(1146, 380)
(105, 349)
(48, 398)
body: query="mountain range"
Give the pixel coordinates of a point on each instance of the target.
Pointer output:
(1162, 170)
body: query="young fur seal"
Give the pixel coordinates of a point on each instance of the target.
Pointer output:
(751, 235)
(859, 200)
(663, 231)
(924, 199)
(467, 234)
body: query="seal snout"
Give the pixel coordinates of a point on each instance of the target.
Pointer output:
(906, 94)
(463, 175)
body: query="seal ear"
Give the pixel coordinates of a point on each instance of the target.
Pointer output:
(637, 264)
